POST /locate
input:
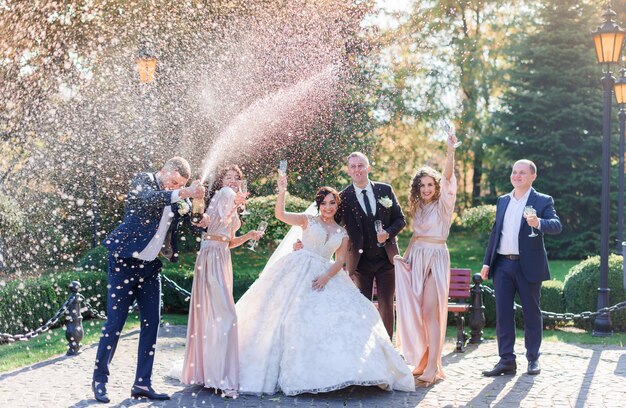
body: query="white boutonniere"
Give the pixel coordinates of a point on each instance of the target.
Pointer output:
(183, 207)
(385, 202)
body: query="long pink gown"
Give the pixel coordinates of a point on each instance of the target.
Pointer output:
(211, 352)
(427, 254)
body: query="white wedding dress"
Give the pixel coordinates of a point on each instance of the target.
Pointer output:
(297, 340)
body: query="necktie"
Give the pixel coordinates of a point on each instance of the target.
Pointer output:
(368, 207)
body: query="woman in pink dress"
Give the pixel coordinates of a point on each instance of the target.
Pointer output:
(211, 352)
(423, 275)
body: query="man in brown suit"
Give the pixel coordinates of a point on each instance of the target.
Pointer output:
(370, 254)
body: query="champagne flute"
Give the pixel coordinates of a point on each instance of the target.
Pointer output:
(448, 128)
(528, 211)
(378, 226)
(243, 187)
(262, 227)
(282, 168)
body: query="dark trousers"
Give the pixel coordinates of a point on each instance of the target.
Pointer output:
(507, 281)
(130, 279)
(374, 264)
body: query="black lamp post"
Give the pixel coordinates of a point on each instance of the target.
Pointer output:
(608, 40)
(620, 97)
(146, 68)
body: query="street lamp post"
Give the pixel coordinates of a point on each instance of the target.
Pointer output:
(146, 63)
(620, 97)
(608, 40)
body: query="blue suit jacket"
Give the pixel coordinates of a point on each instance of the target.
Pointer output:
(144, 209)
(532, 251)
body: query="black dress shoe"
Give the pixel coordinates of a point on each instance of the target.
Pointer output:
(502, 369)
(100, 392)
(150, 393)
(534, 367)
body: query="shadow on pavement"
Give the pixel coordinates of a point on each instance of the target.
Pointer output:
(588, 378)
(517, 392)
(490, 392)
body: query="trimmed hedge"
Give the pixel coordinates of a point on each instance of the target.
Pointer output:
(480, 218)
(581, 289)
(27, 304)
(552, 300)
(262, 209)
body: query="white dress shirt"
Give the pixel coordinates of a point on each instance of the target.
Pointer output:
(151, 251)
(509, 240)
(370, 196)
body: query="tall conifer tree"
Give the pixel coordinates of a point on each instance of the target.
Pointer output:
(552, 114)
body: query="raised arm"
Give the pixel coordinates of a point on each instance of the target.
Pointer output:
(448, 170)
(340, 258)
(279, 210)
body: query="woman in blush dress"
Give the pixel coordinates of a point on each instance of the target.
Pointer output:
(211, 352)
(304, 327)
(423, 275)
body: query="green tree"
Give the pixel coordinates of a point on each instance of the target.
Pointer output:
(76, 124)
(447, 63)
(552, 115)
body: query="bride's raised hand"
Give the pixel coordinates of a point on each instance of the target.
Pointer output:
(320, 282)
(240, 198)
(282, 183)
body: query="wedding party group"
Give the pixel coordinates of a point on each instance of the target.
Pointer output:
(308, 323)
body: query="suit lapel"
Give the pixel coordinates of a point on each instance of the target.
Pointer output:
(155, 182)
(353, 205)
(501, 211)
(532, 199)
(377, 196)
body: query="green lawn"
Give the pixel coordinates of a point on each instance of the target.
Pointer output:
(53, 342)
(565, 335)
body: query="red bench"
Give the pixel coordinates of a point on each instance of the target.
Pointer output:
(458, 305)
(458, 302)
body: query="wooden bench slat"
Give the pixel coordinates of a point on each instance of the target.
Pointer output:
(458, 308)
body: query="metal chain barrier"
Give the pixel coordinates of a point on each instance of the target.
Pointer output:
(176, 287)
(5, 337)
(9, 338)
(568, 316)
(94, 312)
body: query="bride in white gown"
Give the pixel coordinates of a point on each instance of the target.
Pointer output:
(303, 325)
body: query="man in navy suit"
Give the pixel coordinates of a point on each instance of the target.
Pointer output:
(148, 228)
(518, 263)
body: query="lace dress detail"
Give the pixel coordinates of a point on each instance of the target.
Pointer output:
(297, 340)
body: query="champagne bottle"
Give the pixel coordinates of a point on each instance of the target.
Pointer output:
(197, 209)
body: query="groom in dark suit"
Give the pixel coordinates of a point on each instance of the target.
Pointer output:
(518, 263)
(362, 203)
(153, 208)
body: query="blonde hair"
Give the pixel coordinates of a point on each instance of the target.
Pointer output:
(359, 155)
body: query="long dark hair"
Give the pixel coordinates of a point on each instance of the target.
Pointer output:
(219, 179)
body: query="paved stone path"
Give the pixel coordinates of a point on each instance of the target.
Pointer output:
(573, 376)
